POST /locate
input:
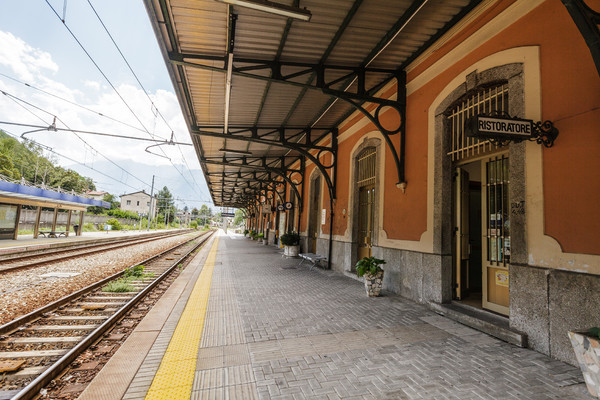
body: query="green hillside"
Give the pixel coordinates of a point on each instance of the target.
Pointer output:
(26, 160)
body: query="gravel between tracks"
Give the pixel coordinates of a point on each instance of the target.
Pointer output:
(24, 291)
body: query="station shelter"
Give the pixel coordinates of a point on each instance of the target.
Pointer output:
(457, 140)
(13, 196)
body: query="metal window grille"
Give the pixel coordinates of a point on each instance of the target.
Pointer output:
(483, 102)
(366, 167)
(498, 221)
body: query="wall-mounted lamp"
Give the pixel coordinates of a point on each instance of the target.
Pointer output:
(273, 8)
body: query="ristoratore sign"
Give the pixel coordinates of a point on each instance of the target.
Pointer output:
(499, 128)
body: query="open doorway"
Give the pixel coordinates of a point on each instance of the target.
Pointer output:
(481, 241)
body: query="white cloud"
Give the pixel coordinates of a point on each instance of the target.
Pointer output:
(92, 85)
(24, 61)
(36, 67)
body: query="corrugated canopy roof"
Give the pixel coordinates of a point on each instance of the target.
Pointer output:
(291, 83)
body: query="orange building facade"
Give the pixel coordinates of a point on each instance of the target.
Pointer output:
(509, 228)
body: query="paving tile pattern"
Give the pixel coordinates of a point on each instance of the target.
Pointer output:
(315, 335)
(275, 330)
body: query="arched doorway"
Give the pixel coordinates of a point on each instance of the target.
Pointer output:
(365, 182)
(478, 179)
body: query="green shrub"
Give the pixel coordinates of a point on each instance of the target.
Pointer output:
(290, 239)
(114, 223)
(89, 227)
(118, 213)
(119, 286)
(194, 225)
(135, 272)
(260, 235)
(368, 265)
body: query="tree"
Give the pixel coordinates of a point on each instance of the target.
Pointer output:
(26, 160)
(166, 204)
(195, 212)
(205, 214)
(111, 198)
(239, 217)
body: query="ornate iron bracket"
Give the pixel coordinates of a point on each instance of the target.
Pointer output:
(587, 21)
(544, 133)
(282, 171)
(302, 148)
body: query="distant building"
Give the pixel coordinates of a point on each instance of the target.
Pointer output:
(96, 195)
(138, 202)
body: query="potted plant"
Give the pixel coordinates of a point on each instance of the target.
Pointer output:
(370, 267)
(260, 237)
(246, 231)
(586, 345)
(291, 243)
(253, 235)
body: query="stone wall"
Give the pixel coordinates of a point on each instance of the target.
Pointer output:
(546, 304)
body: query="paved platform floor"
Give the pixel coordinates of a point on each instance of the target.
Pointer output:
(272, 330)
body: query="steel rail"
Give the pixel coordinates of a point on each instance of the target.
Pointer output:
(32, 389)
(90, 250)
(71, 246)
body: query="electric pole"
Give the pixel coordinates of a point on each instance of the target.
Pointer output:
(151, 203)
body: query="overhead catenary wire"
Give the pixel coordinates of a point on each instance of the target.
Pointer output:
(67, 158)
(94, 133)
(15, 98)
(142, 87)
(116, 91)
(72, 102)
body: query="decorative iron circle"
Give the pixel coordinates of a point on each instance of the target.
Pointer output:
(291, 177)
(332, 157)
(384, 130)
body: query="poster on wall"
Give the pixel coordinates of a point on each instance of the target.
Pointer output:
(502, 278)
(8, 216)
(323, 216)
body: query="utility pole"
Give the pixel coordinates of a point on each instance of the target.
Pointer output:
(150, 210)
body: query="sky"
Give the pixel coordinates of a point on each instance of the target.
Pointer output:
(45, 73)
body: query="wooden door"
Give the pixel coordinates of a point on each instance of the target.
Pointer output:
(496, 234)
(366, 198)
(461, 233)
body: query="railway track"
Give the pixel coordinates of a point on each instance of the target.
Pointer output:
(38, 346)
(25, 260)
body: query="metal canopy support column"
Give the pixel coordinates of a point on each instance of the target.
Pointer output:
(68, 223)
(80, 228)
(16, 234)
(54, 219)
(587, 21)
(38, 217)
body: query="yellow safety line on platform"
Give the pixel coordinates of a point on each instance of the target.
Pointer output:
(175, 375)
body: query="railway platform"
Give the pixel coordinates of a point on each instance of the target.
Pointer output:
(241, 322)
(28, 243)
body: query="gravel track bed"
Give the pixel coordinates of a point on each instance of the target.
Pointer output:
(24, 291)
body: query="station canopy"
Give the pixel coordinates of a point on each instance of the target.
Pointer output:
(264, 85)
(20, 194)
